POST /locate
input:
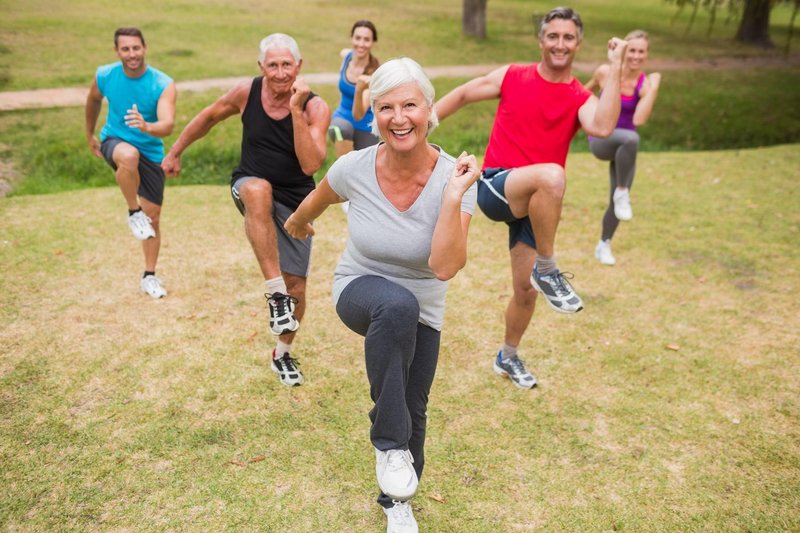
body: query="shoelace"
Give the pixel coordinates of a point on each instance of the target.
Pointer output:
(281, 303)
(289, 363)
(517, 365)
(560, 283)
(398, 460)
(402, 513)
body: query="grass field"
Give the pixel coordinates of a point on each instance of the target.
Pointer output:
(45, 43)
(669, 404)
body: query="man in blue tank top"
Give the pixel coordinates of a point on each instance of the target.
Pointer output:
(283, 143)
(141, 111)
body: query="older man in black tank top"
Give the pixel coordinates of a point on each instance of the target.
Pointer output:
(283, 144)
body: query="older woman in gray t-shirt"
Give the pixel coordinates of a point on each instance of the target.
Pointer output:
(410, 209)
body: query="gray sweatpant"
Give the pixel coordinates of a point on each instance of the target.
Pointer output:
(401, 355)
(620, 149)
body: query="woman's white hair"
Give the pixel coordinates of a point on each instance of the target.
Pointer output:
(394, 73)
(278, 41)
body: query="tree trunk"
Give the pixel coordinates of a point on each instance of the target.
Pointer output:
(754, 27)
(473, 20)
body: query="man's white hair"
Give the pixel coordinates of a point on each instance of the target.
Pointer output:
(394, 73)
(278, 41)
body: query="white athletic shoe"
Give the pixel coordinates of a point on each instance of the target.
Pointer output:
(400, 518)
(396, 476)
(141, 226)
(622, 204)
(152, 286)
(603, 253)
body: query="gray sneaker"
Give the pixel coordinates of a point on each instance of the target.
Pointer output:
(514, 368)
(557, 291)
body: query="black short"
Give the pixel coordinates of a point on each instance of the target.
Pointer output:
(151, 175)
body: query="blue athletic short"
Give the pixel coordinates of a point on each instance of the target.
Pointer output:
(493, 203)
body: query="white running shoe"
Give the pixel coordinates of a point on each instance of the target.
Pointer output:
(287, 368)
(603, 252)
(622, 204)
(396, 476)
(281, 313)
(141, 226)
(152, 286)
(400, 518)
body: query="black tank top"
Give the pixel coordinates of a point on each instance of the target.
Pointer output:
(268, 151)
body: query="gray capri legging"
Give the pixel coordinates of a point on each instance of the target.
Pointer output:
(343, 130)
(620, 148)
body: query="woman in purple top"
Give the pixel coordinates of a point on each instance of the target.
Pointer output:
(638, 94)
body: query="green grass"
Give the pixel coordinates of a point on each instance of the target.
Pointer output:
(44, 43)
(119, 413)
(721, 109)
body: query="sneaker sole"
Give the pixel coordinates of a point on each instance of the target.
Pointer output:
(505, 374)
(607, 263)
(284, 331)
(551, 304)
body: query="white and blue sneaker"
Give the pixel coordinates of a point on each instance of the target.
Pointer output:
(557, 291)
(514, 369)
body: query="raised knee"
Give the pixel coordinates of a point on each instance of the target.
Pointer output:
(256, 195)
(553, 179)
(127, 157)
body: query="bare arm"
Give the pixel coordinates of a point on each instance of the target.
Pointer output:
(649, 94)
(598, 79)
(94, 102)
(165, 115)
(227, 105)
(361, 98)
(298, 225)
(310, 127)
(449, 243)
(598, 116)
(475, 90)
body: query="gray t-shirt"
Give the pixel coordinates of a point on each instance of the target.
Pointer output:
(386, 242)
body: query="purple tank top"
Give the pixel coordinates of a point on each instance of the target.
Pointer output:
(628, 108)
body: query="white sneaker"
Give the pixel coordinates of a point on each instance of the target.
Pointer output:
(396, 476)
(603, 252)
(141, 226)
(152, 286)
(400, 518)
(622, 204)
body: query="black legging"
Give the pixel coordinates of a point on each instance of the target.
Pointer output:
(401, 356)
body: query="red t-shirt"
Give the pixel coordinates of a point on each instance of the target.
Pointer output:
(535, 120)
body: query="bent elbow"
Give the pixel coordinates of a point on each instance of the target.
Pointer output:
(448, 272)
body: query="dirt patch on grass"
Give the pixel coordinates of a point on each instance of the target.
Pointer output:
(8, 174)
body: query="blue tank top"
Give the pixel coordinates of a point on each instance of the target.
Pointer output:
(122, 92)
(348, 91)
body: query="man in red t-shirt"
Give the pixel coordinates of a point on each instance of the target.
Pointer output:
(541, 108)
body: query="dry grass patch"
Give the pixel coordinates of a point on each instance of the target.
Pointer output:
(670, 403)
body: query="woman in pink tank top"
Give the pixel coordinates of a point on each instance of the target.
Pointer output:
(639, 93)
